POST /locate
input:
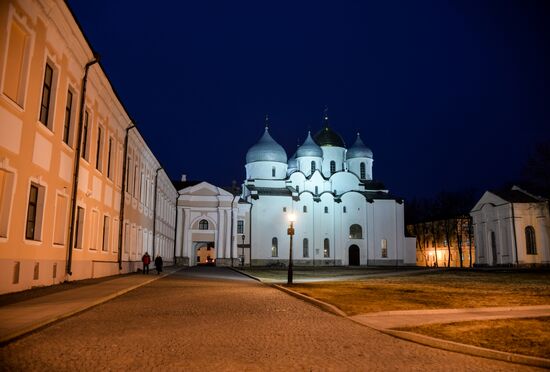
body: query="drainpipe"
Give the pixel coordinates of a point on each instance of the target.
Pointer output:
(77, 164)
(123, 194)
(155, 211)
(514, 230)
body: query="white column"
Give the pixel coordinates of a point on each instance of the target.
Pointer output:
(220, 244)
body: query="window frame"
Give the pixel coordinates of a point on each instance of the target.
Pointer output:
(203, 224)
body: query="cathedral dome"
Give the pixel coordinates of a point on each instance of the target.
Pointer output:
(359, 150)
(292, 162)
(309, 148)
(328, 137)
(266, 150)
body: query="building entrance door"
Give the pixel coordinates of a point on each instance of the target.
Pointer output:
(206, 253)
(353, 256)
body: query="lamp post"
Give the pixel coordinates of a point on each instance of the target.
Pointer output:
(242, 256)
(290, 232)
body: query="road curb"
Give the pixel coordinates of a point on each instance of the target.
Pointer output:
(427, 340)
(24, 331)
(245, 274)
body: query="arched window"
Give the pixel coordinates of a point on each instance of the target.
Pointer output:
(362, 171)
(305, 209)
(326, 248)
(530, 240)
(273, 172)
(316, 190)
(203, 225)
(274, 248)
(297, 188)
(355, 232)
(326, 209)
(344, 209)
(332, 167)
(306, 248)
(313, 166)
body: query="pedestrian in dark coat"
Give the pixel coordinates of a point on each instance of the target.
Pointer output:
(158, 264)
(146, 259)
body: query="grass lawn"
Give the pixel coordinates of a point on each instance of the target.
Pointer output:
(267, 274)
(530, 336)
(433, 290)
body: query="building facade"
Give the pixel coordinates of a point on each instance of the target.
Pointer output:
(512, 228)
(342, 216)
(68, 157)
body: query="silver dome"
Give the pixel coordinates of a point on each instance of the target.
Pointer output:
(292, 162)
(266, 150)
(359, 150)
(309, 148)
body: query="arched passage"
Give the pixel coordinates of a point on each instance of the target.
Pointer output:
(353, 258)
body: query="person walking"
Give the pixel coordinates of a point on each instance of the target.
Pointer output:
(158, 264)
(146, 259)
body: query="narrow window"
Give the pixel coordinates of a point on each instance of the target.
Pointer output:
(326, 248)
(203, 225)
(6, 192)
(274, 248)
(530, 240)
(68, 119)
(240, 227)
(135, 179)
(313, 166)
(345, 209)
(128, 167)
(79, 233)
(284, 209)
(326, 209)
(16, 64)
(95, 230)
(45, 103)
(332, 167)
(306, 248)
(98, 156)
(316, 190)
(305, 209)
(85, 135)
(384, 248)
(273, 172)
(127, 237)
(60, 220)
(109, 158)
(31, 213)
(297, 188)
(105, 242)
(362, 171)
(355, 232)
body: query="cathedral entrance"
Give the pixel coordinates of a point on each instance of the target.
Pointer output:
(206, 253)
(353, 256)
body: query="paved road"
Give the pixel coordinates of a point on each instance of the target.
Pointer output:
(215, 319)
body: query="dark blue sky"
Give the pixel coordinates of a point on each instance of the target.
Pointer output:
(449, 95)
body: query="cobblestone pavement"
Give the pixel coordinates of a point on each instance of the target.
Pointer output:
(214, 319)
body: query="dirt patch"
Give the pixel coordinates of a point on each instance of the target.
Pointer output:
(433, 290)
(520, 336)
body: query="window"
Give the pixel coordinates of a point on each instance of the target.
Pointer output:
(530, 240)
(305, 209)
(313, 166)
(273, 172)
(110, 158)
(384, 248)
(332, 167)
(284, 209)
(17, 63)
(326, 209)
(274, 248)
(306, 248)
(98, 156)
(68, 119)
(105, 242)
(326, 248)
(344, 209)
(203, 225)
(240, 227)
(85, 135)
(297, 188)
(95, 230)
(34, 212)
(362, 171)
(128, 167)
(6, 192)
(60, 220)
(46, 101)
(355, 232)
(79, 233)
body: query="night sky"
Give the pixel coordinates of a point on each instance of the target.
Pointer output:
(448, 95)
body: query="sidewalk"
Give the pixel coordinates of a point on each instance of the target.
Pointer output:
(23, 317)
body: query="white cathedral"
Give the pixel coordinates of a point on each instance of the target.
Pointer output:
(341, 216)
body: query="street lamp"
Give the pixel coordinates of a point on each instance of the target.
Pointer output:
(290, 232)
(242, 251)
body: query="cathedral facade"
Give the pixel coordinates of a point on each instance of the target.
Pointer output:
(341, 215)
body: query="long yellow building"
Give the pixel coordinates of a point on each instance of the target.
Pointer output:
(60, 197)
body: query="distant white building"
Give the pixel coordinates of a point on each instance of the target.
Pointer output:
(511, 228)
(343, 217)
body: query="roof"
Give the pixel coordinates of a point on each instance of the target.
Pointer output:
(266, 149)
(359, 150)
(179, 185)
(327, 137)
(517, 195)
(309, 148)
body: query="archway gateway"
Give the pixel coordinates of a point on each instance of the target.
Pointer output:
(205, 253)
(353, 256)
